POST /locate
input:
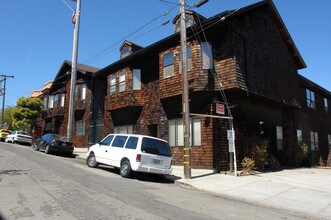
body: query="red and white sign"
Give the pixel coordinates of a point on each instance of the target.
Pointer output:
(220, 109)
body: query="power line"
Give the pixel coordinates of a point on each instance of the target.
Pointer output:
(108, 49)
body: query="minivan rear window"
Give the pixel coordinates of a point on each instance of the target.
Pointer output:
(153, 146)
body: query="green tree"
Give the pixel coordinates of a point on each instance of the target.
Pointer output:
(26, 113)
(8, 116)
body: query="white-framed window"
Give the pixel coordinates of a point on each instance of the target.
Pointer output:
(112, 83)
(279, 134)
(299, 137)
(50, 101)
(168, 64)
(125, 129)
(206, 56)
(62, 99)
(121, 83)
(45, 101)
(83, 92)
(189, 58)
(80, 127)
(326, 105)
(313, 140)
(310, 96)
(136, 79)
(176, 132)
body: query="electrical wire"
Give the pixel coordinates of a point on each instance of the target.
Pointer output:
(110, 48)
(214, 73)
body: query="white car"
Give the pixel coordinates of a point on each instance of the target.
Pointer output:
(130, 153)
(20, 137)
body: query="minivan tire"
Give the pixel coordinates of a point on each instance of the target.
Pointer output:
(91, 161)
(125, 169)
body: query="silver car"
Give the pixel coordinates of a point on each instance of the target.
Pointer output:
(20, 137)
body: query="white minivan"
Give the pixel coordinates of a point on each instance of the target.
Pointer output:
(130, 152)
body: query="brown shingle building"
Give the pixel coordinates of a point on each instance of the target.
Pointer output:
(56, 103)
(244, 59)
(246, 55)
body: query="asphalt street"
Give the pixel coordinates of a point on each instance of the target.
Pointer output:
(34, 185)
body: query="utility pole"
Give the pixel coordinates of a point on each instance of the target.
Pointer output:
(76, 20)
(3, 93)
(185, 95)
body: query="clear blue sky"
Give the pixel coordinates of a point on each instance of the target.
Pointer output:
(36, 35)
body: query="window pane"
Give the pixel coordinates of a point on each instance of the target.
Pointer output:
(107, 141)
(206, 55)
(299, 135)
(168, 64)
(50, 101)
(62, 99)
(180, 133)
(312, 141)
(127, 129)
(279, 134)
(189, 60)
(119, 141)
(196, 134)
(153, 146)
(80, 127)
(136, 81)
(121, 87)
(172, 132)
(113, 84)
(168, 59)
(83, 91)
(45, 101)
(132, 143)
(168, 71)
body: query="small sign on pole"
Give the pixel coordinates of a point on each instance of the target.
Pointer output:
(231, 140)
(220, 109)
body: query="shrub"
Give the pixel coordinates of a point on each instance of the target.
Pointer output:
(248, 165)
(301, 154)
(274, 163)
(260, 154)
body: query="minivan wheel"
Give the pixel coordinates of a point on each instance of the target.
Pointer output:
(125, 169)
(91, 161)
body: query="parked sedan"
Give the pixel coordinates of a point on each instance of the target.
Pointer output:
(20, 137)
(53, 143)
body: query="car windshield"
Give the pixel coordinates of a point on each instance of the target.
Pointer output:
(154, 146)
(61, 138)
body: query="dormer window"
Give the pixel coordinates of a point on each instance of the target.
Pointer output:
(128, 48)
(125, 52)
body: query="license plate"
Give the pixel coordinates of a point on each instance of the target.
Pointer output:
(156, 161)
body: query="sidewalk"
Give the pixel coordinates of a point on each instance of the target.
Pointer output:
(302, 190)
